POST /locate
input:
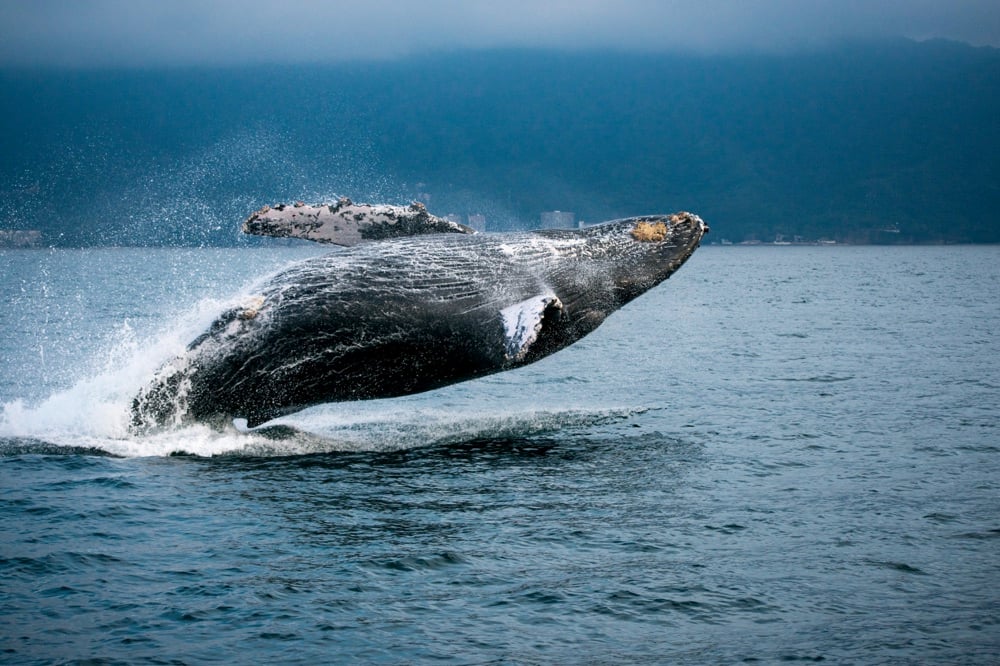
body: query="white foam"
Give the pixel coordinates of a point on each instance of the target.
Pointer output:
(397, 424)
(83, 418)
(96, 411)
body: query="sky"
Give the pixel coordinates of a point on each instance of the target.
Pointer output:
(140, 33)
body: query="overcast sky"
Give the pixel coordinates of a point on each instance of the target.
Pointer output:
(181, 32)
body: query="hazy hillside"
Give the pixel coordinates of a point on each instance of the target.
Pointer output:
(845, 143)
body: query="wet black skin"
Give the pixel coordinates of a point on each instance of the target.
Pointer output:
(402, 316)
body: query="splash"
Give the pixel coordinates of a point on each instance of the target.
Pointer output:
(94, 412)
(63, 423)
(406, 423)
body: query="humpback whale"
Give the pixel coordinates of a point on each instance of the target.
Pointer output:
(411, 303)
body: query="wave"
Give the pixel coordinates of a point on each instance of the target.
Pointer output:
(343, 427)
(96, 407)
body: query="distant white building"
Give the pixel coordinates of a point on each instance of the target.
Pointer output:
(454, 217)
(477, 221)
(558, 219)
(12, 238)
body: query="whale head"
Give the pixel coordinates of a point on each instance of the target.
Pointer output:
(657, 246)
(594, 271)
(639, 253)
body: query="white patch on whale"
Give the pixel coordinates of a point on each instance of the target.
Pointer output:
(522, 322)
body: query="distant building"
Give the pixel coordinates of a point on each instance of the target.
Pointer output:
(12, 238)
(454, 217)
(477, 222)
(558, 219)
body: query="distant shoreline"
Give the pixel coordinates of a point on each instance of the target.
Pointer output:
(267, 246)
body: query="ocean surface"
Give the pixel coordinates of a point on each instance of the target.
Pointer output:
(780, 454)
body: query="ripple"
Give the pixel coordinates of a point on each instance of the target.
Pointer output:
(55, 563)
(112, 482)
(942, 518)
(898, 566)
(987, 534)
(818, 379)
(23, 446)
(731, 528)
(434, 562)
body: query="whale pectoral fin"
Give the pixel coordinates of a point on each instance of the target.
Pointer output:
(524, 321)
(347, 223)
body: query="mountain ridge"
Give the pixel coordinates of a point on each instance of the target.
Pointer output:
(864, 142)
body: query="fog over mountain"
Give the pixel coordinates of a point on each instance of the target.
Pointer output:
(142, 33)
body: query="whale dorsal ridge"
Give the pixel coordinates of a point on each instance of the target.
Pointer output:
(347, 223)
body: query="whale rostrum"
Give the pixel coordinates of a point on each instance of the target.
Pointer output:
(425, 304)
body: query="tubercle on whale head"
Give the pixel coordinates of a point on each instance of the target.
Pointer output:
(668, 240)
(651, 249)
(658, 229)
(648, 228)
(648, 232)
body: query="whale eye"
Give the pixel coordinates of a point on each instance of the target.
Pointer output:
(646, 232)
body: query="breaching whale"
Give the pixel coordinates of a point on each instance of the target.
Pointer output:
(412, 303)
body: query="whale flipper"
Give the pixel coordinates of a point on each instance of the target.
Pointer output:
(347, 223)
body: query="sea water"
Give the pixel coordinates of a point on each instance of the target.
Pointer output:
(779, 454)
